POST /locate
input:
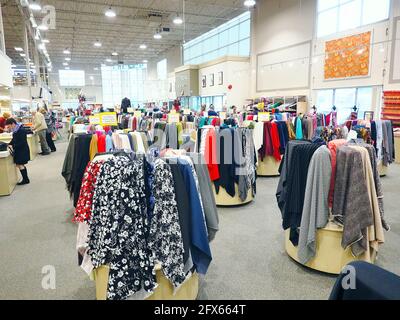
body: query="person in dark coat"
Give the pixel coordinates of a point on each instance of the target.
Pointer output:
(19, 148)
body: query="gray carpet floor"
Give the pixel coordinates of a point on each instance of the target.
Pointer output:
(249, 260)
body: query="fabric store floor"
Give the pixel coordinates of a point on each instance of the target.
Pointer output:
(249, 260)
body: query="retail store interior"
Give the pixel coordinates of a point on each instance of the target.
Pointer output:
(199, 149)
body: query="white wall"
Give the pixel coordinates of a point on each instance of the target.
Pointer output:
(5, 71)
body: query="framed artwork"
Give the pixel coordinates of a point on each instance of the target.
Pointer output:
(211, 79)
(348, 57)
(204, 81)
(220, 78)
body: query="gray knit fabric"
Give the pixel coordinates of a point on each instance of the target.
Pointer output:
(316, 209)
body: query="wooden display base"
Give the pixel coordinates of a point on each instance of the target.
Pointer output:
(383, 170)
(397, 148)
(165, 291)
(269, 167)
(225, 200)
(330, 256)
(8, 174)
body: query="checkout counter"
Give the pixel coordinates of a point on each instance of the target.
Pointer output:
(33, 142)
(8, 174)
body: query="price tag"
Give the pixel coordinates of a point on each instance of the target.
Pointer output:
(263, 116)
(173, 118)
(108, 119)
(222, 115)
(94, 120)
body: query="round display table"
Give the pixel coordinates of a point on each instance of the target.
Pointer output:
(330, 256)
(223, 199)
(268, 167)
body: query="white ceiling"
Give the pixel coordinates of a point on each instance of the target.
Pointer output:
(79, 23)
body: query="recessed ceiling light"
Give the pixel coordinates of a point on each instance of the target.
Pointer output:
(34, 6)
(143, 46)
(157, 36)
(66, 51)
(18, 49)
(46, 41)
(250, 3)
(178, 20)
(67, 59)
(91, 78)
(114, 54)
(43, 27)
(97, 44)
(110, 13)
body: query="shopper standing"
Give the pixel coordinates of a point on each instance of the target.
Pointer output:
(19, 148)
(51, 128)
(212, 112)
(40, 126)
(3, 120)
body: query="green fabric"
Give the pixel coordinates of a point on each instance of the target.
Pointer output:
(180, 132)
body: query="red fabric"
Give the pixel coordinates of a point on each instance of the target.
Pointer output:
(333, 146)
(101, 144)
(107, 128)
(83, 212)
(210, 155)
(276, 144)
(2, 124)
(267, 142)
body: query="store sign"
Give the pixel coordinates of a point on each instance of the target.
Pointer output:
(173, 118)
(263, 116)
(108, 119)
(94, 120)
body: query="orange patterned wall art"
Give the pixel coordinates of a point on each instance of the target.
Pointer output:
(348, 57)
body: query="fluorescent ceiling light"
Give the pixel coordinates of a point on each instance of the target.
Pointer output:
(65, 64)
(43, 27)
(97, 44)
(46, 41)
(250, 3)
(157, 36)
(34, 6)
(110, 13)
(114, 54)
(67, 59)
(143, 46)
(178, 20)
(18, 49)
(66, 51)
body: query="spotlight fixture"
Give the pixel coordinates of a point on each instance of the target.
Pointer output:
(35, 6)
(178, 20)
(110, 13)
(97, 44)
(157, 36)
(66, 51)
(143, 46)
(250, 3)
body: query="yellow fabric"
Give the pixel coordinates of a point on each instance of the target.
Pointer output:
(93, 149)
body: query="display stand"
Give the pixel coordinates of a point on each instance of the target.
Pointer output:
(8, 174)
(330, 256)
(269, 167)
(397, 147)
(164, 291)
(225, 200)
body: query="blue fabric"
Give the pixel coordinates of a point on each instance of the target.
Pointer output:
(109, 143)
(200, 248)
(299, 129)
(212, 113)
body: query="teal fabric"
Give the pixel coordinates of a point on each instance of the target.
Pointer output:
(299, 129)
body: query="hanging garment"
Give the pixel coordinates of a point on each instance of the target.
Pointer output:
(200, 248)
(275, 141)
(333, 146)
(247, 173)
(165, 238)
(268, 148)
(210, 154)
(299, 129)
(315, 210)
(93, 149)
(101, 143)
(118, 228)
(258, 133)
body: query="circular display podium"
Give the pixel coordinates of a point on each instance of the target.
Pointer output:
(330, 256)
(268, 167)
(223, 199)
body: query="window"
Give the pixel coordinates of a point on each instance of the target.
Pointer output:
(72, 78)
(340, 15)
(345, 100)
(231, 38)
(162, 70)
(123, 81)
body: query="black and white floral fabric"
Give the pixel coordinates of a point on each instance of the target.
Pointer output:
(118, 227)
(165, 239)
